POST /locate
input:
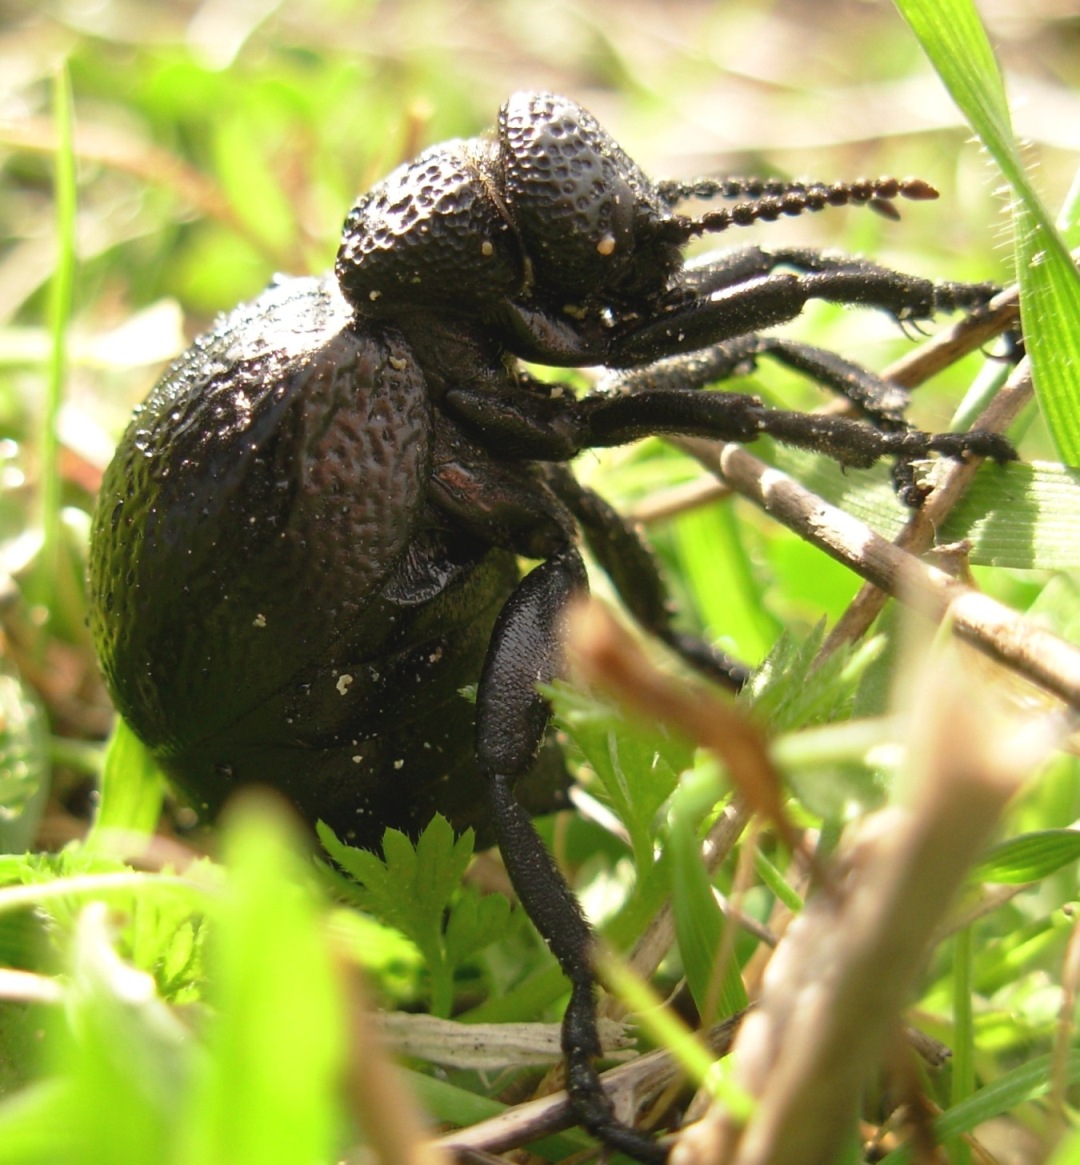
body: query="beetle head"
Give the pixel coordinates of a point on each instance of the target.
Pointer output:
(550, 208)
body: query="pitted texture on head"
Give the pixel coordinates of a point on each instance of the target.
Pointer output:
(583, 207)
(430, 236)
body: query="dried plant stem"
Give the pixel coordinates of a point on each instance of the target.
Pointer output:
(644, 1077)
(918, 535)
(839, 980)
(1011, 638)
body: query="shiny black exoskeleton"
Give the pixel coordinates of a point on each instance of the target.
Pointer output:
(308, 541)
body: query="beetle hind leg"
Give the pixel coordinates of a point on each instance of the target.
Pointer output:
(511, 719)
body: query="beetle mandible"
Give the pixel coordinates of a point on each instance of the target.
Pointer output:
(308, 540)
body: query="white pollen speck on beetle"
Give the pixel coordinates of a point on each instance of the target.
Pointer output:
(374, 294)
(343, 682)
(357, 759)
(606, 246)
(259, 620)
(487, 249)
(399, 764)
(398, 364)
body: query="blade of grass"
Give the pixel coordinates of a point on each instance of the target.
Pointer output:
(963, 1065)
(670, 1032)
(954, 39)
(1020, 1084)
(132, 790)
(60, 301)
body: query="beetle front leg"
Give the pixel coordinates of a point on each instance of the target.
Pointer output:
(716, 271)
(511, 719)
(708, 316)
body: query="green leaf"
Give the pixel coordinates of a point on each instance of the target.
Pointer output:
(411, 885)
(1008, 1091)
(1030, 857)
(476, 921)
(1021, 515)
(121, 1066)
(162, 929)
(790, 690)
(1024, 517)
(269, 1092)
(954, 39)
(638, 763)
(417, 889)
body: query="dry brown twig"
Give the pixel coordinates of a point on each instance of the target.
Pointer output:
(893, 569)
(841, 977)
(1003, 634)
(644, 1077)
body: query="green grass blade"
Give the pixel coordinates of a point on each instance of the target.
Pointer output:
(268, 1092)
(963, 1043)
(60, 301)
(700, 926)
(954, 39)
(1014, 1087)
(132, 789)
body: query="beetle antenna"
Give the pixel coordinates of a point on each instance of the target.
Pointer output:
(769, 198)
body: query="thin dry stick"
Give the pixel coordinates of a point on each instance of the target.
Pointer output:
(1003, 634)
(919, 534)
(646, 1076)
(838, 983)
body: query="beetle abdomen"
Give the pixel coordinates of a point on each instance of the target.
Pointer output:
(258, 500)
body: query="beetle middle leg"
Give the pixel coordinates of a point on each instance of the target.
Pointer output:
(522, 423)
(627, 560)
(881, 400)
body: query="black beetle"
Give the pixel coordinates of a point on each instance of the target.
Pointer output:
(307, 543)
